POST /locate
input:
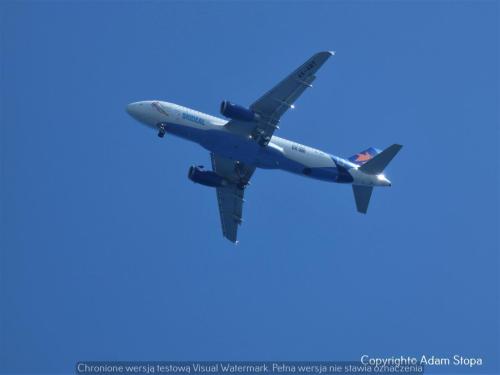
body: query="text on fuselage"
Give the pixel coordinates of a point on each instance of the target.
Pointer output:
(193, 118)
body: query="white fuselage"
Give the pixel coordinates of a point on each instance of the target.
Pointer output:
(279, 153)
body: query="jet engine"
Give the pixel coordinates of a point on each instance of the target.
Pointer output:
(237, 112)
(199, 175)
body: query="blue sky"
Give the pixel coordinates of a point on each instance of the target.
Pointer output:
(109, 252)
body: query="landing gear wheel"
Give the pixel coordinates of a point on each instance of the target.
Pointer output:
(242, 185)
(161, 130)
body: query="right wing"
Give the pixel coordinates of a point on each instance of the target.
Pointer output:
(230, 197)
(274, 103)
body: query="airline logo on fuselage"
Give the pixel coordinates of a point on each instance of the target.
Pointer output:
(193, 118)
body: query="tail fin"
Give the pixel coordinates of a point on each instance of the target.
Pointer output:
(378, 163)
(362, 157)
(375, 165)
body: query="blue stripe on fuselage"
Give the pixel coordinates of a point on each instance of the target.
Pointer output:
(215, 140)
(187, 132)
(234, 147)
(331, 174)
(322, 173)
(339, 173)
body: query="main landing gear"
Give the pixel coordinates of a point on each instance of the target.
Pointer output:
(242, 179)
(242, 184)
(161, 130)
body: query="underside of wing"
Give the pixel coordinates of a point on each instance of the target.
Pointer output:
(230, 197)
(230, 200)
(274, 103)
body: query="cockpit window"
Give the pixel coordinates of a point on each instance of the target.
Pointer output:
(159, 108)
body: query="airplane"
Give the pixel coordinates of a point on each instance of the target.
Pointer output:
(246, 141)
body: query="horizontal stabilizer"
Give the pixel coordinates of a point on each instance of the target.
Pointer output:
(378, 163)
(362, 196)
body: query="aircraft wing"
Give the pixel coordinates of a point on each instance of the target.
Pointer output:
(274, 103)
(230, 197)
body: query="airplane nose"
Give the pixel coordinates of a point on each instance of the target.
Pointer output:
(132, 108)
(141, 112)
(136, 110)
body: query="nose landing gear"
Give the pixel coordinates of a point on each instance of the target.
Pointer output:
(161, 130)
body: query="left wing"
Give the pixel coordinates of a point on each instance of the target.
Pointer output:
(230, 197)
(274, 103)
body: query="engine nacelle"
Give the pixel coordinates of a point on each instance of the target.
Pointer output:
(237, 112)
(208, 178)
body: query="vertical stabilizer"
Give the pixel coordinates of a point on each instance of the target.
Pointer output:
(374, 166)
(362, 157)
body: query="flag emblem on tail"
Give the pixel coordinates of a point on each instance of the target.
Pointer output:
(362, 157)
